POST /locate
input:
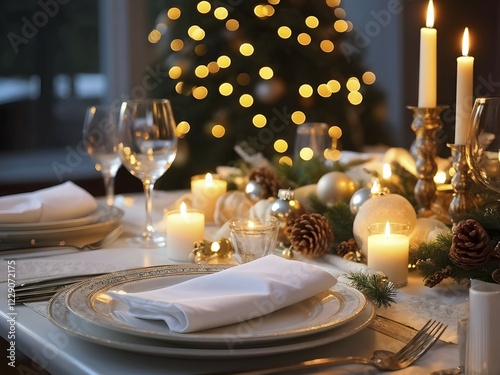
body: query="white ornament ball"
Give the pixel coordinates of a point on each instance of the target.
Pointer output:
(426, 230)
(391, 207)
(335, 187)
(303, 195)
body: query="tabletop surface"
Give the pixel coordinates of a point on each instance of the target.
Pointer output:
(59, 352)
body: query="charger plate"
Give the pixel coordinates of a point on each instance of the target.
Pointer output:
(90, 301)
(60, 315)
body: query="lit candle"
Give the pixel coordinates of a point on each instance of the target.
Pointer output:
(205, 190)
(465, 67)
(428, 61)
(184, 228)
(387, 251)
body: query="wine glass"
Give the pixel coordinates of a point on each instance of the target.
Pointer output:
(147, 145)
(99, 137)
(483, 142)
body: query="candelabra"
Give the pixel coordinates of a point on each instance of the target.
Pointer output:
(426, 124)
(460, 182)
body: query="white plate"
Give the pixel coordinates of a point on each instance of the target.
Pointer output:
(101, 211)
(60, 314)
(101, 225)
(90, 300)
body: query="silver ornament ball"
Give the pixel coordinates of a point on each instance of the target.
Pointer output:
(254, 191)
(335, 187)
(358, 198)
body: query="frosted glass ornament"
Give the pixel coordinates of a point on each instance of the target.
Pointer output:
(426, 230)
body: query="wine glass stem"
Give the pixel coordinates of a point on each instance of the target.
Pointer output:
(109, 187)
(148, 191)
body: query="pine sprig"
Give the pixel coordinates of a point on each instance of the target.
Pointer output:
(375, 287)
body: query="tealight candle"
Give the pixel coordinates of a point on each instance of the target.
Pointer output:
(388, 248)
(184, 228)
(205, 190)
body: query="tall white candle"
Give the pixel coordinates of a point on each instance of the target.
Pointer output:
(205, 190)
(184, 227)
(428, 62)
(388, 252)
(465, 68)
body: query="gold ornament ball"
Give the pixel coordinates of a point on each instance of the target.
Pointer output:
(335, 187)
(379, 209)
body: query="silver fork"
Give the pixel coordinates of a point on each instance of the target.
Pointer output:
(423, 340)
(34, 245)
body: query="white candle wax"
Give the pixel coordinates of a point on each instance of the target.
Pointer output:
(184, 228)
(388, 253)
(428, 62)
(465, 68)
(205, 190)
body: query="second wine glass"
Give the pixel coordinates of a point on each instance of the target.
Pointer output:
(147, 145)
(99, 137)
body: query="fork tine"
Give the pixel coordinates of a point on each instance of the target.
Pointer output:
(431, 333)
(422, 332)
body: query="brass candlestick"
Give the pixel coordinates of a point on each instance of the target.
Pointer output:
(426, 124)
(461, 181)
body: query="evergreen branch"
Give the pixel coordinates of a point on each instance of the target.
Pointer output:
(375, 287)
(340, 217)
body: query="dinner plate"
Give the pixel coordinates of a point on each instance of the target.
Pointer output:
(101, 211)
(90, 300)
(60, 314)
(101, 225)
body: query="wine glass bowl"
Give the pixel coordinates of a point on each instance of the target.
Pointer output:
(483, 142)
(147, 146)
(99, 137)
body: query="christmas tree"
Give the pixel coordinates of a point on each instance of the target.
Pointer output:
(249, 72)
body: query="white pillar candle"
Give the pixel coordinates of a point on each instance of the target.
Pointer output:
(205, 190)
(387, 252)
(428, 62)
(184, 227)
(465, 68)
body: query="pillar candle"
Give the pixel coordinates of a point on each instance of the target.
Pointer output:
(388, 252)
(428, 62)
(465, 67)
(184, 227)
(205, 190)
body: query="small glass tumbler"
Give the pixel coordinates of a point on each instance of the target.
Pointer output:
(253, 238)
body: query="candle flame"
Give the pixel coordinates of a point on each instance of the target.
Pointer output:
(440, 177)
(215, 247)
(209, 180)
(251, 224)
(387, 230)
(386, 171)
(430, 15)
(183, 210)
(375, 187)
(465, 42)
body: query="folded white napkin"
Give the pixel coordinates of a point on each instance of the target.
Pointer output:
(61, 202)
(233, 295)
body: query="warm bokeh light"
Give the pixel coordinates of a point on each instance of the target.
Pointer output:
(175, 72)
(355, 97)
(353, 84)
(246, 100)
(196, 33)
(203, 7)
(200, 49)
(386, 171)
(335, 132)
(304, 39)
(369, 78)
(285, 160)
(334, 85)
(339, 13)
(243, 79)
(324, 91)
(298, 117)
(266, 72)
(200, 92)
(280, 145)
(332, 154)
(221, 13)
(174, 13)
(218, 131)
(201, 71)
(273, 2)
(306, 153)
(284, 32)
(226, 89)
(179, 87)
(306, 91)
(232, 24)
(440, 177)
(326, 46)
(312, 22)
(259, 121)
(176, 45)
(183, 128)
(154, 36)
(246, 49)
(340, 26)
(213, 67)
(333, 3)
(224, 61)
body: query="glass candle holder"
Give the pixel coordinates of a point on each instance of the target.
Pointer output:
(388, 250)
(205, 190)
(253, 238)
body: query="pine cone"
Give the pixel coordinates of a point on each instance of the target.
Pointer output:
(471, 246)
(438, 276)
(267, 179)
(345, 247)
(312, 235)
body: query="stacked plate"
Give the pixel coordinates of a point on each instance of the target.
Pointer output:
(99, 222)
(87, 311)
